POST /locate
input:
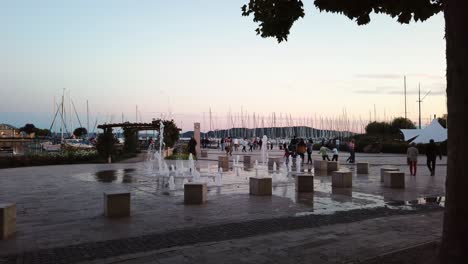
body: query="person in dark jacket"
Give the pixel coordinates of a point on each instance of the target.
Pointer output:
(432, 151)
(191, 146)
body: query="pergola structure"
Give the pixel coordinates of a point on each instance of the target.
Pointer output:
(138, 126)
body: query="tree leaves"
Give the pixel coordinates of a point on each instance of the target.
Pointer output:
(276, 17)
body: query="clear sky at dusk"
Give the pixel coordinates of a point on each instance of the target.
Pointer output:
(183, 57)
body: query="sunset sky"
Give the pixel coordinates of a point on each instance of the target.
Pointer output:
(180, 58)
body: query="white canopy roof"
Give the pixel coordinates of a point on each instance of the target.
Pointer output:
(434, 131)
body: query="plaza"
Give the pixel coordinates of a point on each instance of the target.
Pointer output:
(60, 208)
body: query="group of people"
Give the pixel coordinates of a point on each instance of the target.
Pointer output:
(300, 147)
(233, 144)
(432, 151)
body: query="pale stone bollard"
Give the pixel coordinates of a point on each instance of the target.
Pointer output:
(223, 162)
(247, 162)
(342, 179)
(394, 179)
(195, 193)
(116, 204)
(273, 160)
(362, 168)
(304, 183)
(383, 170)
(332, 166)
(320, 165)
(204, 154)
(7, 220)
(260, 186)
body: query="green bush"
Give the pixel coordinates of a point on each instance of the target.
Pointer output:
(51, 158)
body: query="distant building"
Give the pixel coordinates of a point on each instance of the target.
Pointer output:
(9, 131)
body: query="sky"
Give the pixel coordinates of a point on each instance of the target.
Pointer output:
(179, 59)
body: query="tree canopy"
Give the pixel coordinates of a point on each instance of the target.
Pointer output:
(276, 17)
(28, 129)
(80, 131)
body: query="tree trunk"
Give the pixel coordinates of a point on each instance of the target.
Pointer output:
(454, 248)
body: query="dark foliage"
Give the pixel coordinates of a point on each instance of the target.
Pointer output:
(28, 129)
(106, 144)
(276, 17)
(131, 140)
(79, 132)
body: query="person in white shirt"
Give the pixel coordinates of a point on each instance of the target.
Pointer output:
(335, 154)
(236, 144)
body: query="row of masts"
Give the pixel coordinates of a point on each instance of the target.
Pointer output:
(283, 125)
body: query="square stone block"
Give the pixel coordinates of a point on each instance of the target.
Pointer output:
(247, 162)
(260, 186)
(223, 162)
(7, 220)
(320, 165)
(273, 160)
(117, 204)
(204, 154)
(384, 169)
(362, 168)
(195, 193)
(304, 183)
(342, 179)
(394, 179)
(332, 166)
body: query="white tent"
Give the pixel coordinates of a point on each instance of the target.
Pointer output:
(434, 131)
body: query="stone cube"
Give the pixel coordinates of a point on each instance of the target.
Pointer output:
(332, 166)
(223, 163)
(304, 183)
(394, 179)
(362, 168)
(117, 204)
(342, 179)
(384, 169)
(204, 154)
(247, 162)
(320, 165)
(7, 220)
(260, 186)
(195, 193)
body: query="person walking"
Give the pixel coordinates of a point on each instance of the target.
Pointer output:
(351, 147)
(244, 145)
(412, 157)
(222, 144)
(310, 146)
(335, 154)
(337, 143)
(301, 149)
(324, 152)
(432, 151)
(228, 146)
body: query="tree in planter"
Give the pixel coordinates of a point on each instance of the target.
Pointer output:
(276, 18)
(106, 143)
(80, 131)
(28, 129)
(171, 132)
(131, 140)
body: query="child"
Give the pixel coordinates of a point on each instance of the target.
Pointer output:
(335, 154)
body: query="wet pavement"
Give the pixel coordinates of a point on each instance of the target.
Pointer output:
(62, 205)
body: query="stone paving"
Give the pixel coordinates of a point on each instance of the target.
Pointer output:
(62, 205)
(357, 242)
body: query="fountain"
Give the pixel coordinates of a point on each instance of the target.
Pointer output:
(264, 150)
(219, 178)
(298, 164)
(171, 183)
(290, 160)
